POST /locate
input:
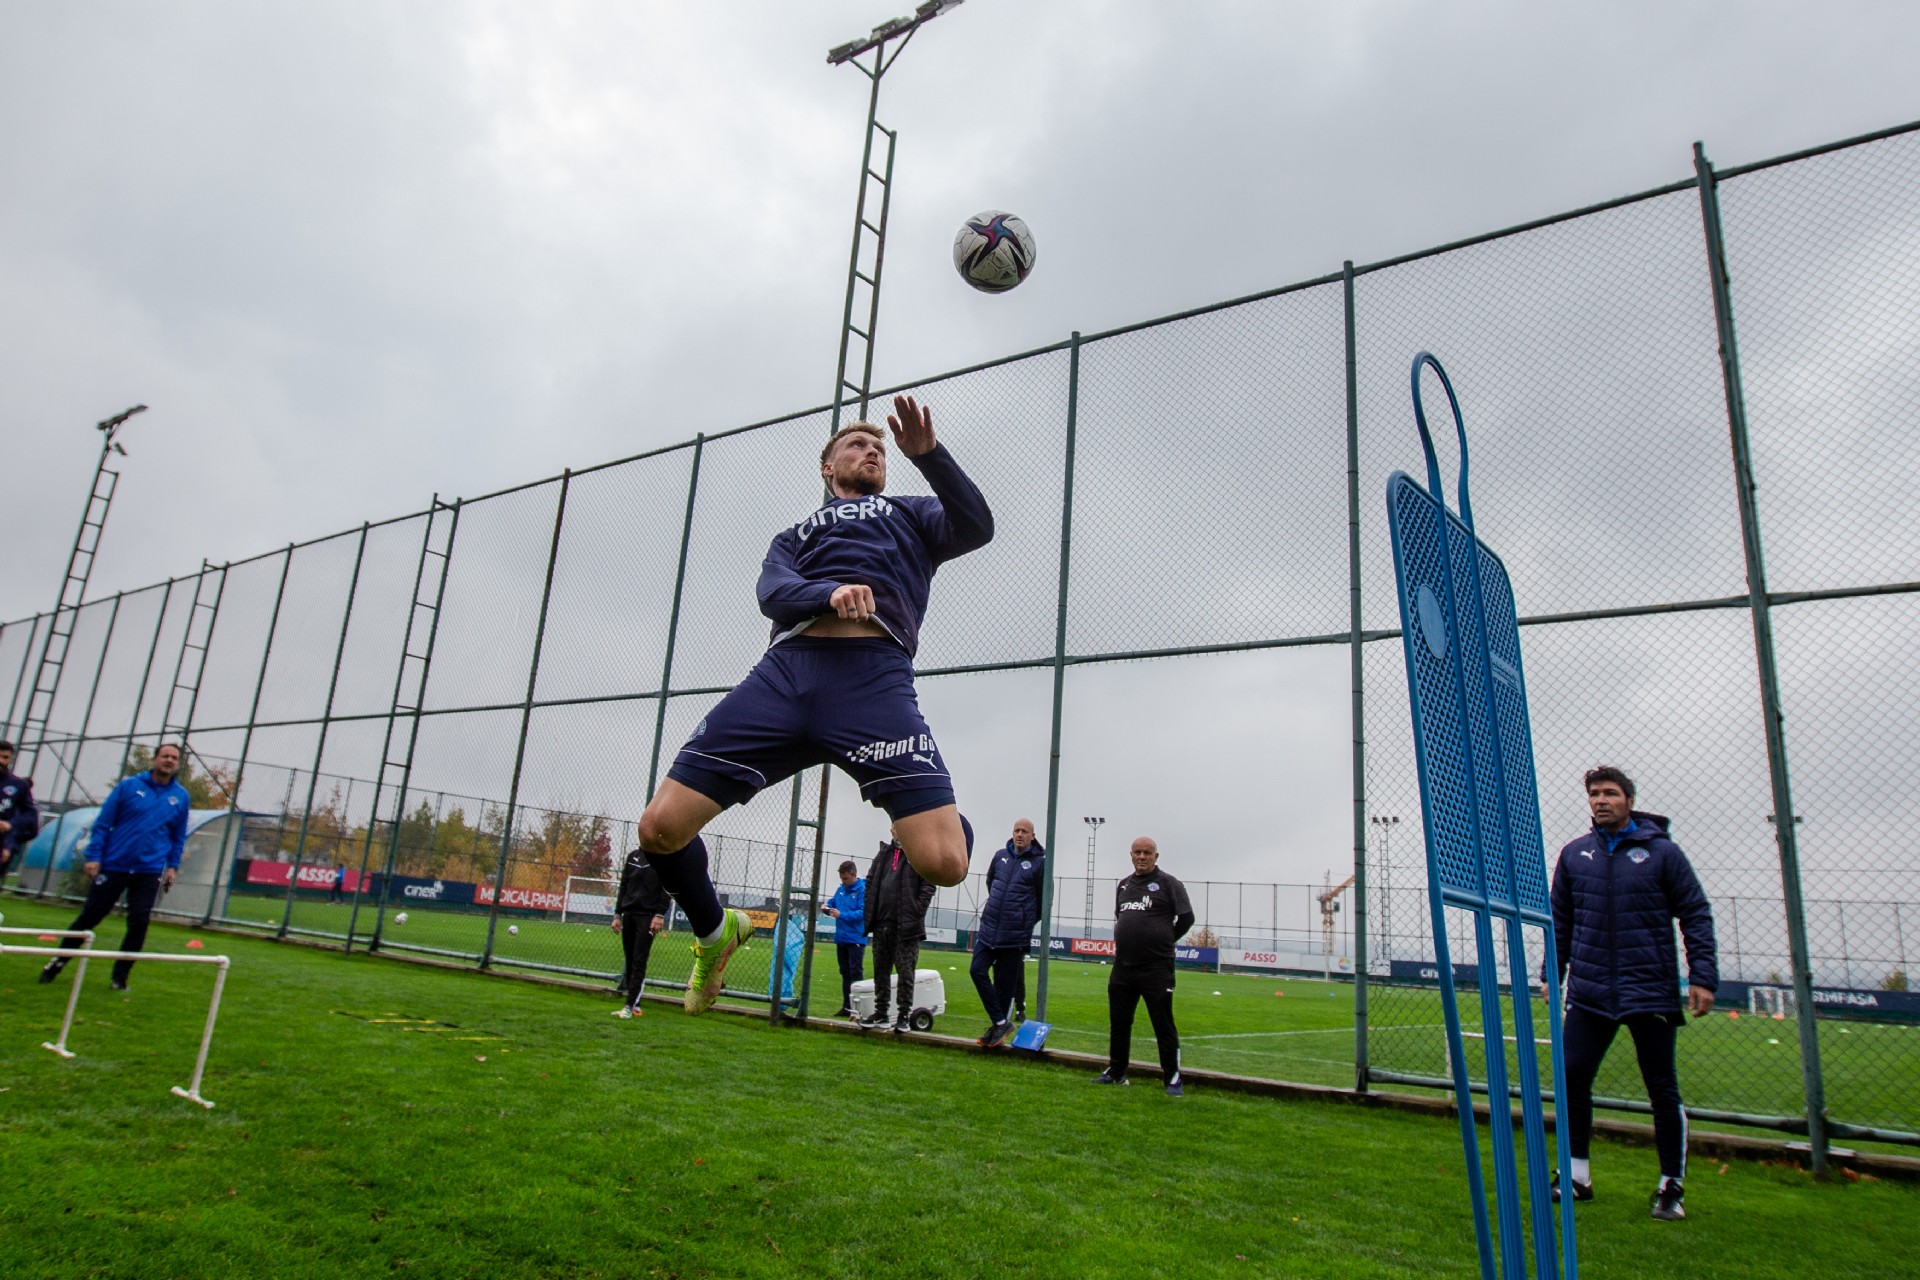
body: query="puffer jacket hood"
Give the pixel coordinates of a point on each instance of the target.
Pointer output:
(1013, 897)
(1613, 914)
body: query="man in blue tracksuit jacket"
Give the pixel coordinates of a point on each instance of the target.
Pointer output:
(1616, 892)
(19, 816)
(135, 849)
(1006, 928)
(848, 907)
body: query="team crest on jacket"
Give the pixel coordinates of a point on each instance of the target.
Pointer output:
(1638, 854)
(1153, 888)
(1025, 865)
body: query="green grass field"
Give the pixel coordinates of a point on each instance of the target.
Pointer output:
(378, 1118)
(1283, 1029)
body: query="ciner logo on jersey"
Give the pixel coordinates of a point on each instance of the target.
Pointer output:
(868, 508)
(919, 743)
(1142, 905)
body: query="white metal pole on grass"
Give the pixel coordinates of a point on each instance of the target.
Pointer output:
(192, 1091)
(80, 972)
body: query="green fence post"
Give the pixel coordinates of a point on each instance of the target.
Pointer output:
(320, 742)
(1356, 662)
(526, 720)
(673, 615)
(1760, 606)
(20, 679)
(146, 675)
(1059, 681)
(80, 746)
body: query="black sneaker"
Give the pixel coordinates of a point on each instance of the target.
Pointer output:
(1107, 1077)
(878, 1020)
(843, 1012)
(1581, 1190)
(52, 970)
(902, 1025)
(1666, 1202)
(996, 1035)
(1174, 1089)
(1019, 1013)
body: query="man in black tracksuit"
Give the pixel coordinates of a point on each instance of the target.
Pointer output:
(1616, 892)
(897, 902)
(639, 912)
(1151, 914)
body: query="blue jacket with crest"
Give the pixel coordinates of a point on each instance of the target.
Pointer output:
(1615, 898)
(1013, 897)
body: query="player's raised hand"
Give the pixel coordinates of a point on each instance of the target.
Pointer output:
(853, 602)
(912, 426)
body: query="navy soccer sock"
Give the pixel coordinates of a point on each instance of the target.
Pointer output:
(684, 875)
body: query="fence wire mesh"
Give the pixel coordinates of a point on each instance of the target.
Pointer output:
(435, 734)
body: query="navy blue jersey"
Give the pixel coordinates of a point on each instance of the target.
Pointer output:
(890, 545)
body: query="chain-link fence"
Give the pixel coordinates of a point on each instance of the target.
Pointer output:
(453, 717)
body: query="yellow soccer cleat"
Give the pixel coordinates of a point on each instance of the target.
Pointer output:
(710, 963)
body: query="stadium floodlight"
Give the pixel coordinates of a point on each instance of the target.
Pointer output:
(113, 424)
(892, 28)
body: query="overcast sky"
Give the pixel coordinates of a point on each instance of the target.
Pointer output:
(353, 255)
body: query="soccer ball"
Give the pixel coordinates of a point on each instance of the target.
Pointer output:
(400, 918)
(993, 251)
(513, 928)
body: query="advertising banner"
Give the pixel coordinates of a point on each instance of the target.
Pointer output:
(417, 889)
(523, 899)
(312, 876)
(943, 937)
(1294, 961)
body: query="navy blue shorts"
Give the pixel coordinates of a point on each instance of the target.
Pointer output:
(847, 702)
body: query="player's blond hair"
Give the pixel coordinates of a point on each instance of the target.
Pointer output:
(833, 441)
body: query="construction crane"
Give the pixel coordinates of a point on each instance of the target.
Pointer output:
(1329, 906)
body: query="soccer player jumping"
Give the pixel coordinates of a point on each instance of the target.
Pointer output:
(846, 589)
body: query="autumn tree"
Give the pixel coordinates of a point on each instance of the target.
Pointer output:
(211, 786)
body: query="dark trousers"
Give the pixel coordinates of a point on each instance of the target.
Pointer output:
(893, 954)
(1587, 1036)
(996, 973)
(636, 940)
(853, 964)
(1125, 989)
(142, 889)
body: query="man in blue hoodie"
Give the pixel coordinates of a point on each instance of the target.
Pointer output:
(848, 907)
(135, 849)
(1001, 942)
(1616, 892)
(846, 591)
(19, 816)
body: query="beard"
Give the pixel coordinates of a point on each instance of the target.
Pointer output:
(860, 481)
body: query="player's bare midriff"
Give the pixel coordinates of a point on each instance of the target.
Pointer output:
(833, 628)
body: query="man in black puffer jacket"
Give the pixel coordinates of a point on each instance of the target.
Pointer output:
(1000, 945)
(1616, 892)
(897, 900)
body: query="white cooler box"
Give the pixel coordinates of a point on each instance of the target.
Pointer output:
(929, 999)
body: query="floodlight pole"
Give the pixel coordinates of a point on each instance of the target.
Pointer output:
(845, 389)
(1093, 844)
(875, 42)
(73, 589)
